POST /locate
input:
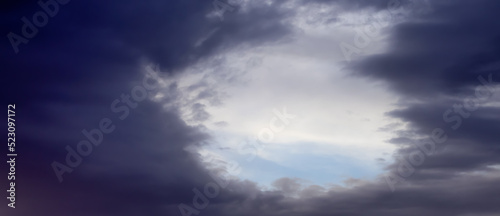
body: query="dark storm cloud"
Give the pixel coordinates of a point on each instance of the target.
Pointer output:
(440, 61)
(65, 79)
(86, 57)
(436, 61)
(440, 52)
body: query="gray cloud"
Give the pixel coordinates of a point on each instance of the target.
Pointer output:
(66, 78)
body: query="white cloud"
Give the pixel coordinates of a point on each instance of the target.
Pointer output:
(338, 115)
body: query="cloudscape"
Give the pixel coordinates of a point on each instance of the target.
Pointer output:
(239, 107)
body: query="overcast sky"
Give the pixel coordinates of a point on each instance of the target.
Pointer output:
(240, 107)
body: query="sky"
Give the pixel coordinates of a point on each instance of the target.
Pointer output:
(239, 107)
